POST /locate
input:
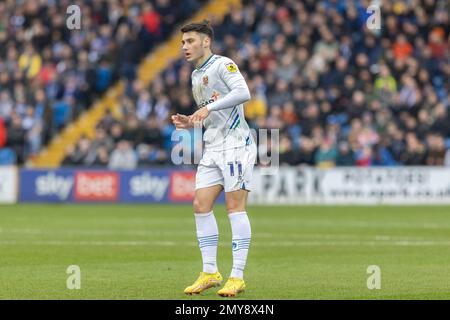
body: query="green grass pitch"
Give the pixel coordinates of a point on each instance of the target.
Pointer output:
(150, 252)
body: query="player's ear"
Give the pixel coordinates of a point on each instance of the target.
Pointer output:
(206, 42)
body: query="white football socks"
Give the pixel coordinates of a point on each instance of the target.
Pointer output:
(242, 233)
(208, 238)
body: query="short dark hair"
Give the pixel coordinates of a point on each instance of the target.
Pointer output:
(201, 27)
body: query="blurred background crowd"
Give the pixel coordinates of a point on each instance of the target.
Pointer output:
(49, 74)
(339, 93)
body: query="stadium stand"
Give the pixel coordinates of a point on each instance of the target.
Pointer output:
(339, 93)
(50, 74)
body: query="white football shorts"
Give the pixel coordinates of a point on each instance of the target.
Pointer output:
(232, 168)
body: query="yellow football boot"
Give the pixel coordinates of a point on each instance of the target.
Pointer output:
(204, 281)
(232, 287)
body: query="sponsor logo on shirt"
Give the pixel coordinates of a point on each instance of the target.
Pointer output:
(231, 67)
(215, 95)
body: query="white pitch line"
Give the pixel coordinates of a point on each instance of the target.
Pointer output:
(400, 243)
(355, 224)
(259, 235)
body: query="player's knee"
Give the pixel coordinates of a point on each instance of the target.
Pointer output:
(200, 206)
(235, 206)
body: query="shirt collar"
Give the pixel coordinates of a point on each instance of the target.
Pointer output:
(204, 63)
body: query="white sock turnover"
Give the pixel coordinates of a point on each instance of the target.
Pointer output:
(208, 238)
(242, 233)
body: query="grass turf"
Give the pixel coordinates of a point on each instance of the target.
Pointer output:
(150, 252)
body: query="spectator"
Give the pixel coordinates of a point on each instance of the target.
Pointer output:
(6, 105)
(123, 157)
(364, 157)
(116, 132)
(151, 20)
(103, 76)
(33, 128)
(102, 157)
(133, 130)
(287, 154)
(152, 133)
(70, 157)
(439, 48)
(402, 48)
(345, 155)
(382, 156)
(100, 141)
(435, 155)
(386, 82)
(16, 137)
(61, 114)
(2, 133)
(326, 155)
(30, 62)
(81, 152)
(144, 105)
(148, 155)
(307, 151)
(415, 150)
(441, 121)
(144, 155)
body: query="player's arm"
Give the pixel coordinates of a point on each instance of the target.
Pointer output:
(239, 92)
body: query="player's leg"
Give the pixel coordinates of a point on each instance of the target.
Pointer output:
(241, 237)
(237, 179)
(208, 187)
(236, 201)
(205, 198)
(207, 230)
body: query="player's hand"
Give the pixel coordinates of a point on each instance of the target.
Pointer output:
(200, 115)
(181, 121)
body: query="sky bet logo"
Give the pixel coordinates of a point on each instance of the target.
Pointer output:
(148, 185)
(54, 185)
(96, 186)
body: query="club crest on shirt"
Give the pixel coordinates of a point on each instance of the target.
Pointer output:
(231, 67)
(205, 81)
(215, 95)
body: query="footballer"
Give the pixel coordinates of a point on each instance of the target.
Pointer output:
(219, 90)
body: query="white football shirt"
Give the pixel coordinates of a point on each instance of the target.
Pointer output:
(225, 127)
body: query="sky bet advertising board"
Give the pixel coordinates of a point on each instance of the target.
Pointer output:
(90, 186)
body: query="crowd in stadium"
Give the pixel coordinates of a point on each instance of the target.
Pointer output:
(340, 94)
(50, 74)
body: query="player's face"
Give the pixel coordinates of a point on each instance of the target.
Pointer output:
(194, 45)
